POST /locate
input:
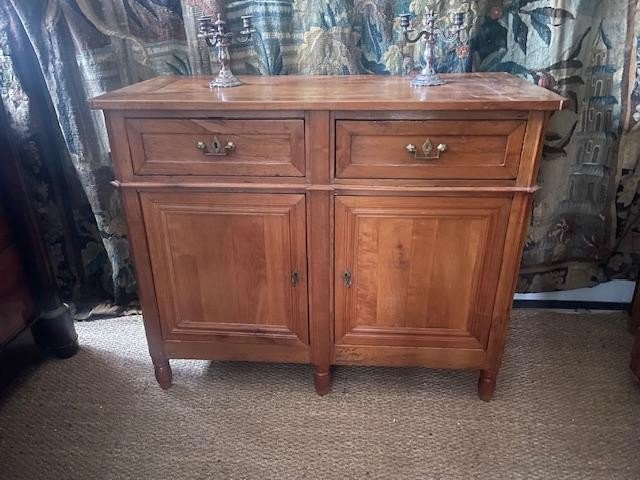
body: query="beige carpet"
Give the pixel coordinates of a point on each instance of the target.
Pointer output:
(566, 408)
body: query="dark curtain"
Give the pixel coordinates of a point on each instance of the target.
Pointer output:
(54, 54)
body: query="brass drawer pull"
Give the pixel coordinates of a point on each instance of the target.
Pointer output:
(427, 149)
(216, 148)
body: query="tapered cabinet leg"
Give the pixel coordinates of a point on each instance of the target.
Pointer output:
(163, 373)
(487, 384)
(321, 380)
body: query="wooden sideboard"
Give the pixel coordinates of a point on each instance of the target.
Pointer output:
(328, 220)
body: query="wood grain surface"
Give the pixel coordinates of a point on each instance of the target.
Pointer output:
(473, 91)
(474, 150)
(164, 146)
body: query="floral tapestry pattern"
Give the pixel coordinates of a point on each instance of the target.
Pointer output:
(55, 54)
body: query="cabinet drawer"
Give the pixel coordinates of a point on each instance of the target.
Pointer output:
(483, 149)
(217, 147)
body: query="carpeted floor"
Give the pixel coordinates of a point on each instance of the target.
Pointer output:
(566, 407)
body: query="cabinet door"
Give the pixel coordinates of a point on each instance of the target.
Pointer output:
(417, 271)
(229, 265)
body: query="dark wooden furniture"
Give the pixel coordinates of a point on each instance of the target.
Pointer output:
(28, 291)
(16, 304)
(323, 220)
(635, 357)
(633, 324)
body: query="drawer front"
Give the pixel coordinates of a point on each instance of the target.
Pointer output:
(433, 149)
(217, 147)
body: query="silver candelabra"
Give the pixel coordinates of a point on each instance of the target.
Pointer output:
(215, 36)
(430, 33)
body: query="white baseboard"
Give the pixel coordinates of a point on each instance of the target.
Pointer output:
(615, 291)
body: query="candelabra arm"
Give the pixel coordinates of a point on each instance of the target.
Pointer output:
(211, 42)
(244, 35)
(243, 40)
(418, 37)
(452, 36)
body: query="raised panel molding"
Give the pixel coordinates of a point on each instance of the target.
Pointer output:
(424, 270)
(168, 146)
(224, 264)
(474, 150)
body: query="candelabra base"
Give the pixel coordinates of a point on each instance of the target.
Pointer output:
(225, 79)
(427, 80)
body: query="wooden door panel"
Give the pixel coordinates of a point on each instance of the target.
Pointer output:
(223, 264)
(424, 270)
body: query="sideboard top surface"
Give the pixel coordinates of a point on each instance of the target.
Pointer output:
(471, 91)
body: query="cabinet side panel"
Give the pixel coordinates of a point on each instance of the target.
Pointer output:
(144, 277)
(516, 233)
(118, 140)
(514, 243)
(532, 149)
